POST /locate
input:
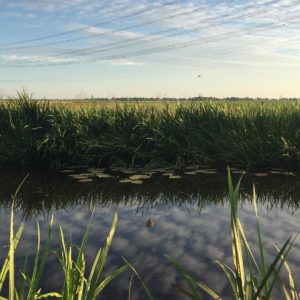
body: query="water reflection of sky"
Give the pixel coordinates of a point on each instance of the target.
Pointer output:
(195, 237)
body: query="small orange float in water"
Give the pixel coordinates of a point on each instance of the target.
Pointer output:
(149, 223)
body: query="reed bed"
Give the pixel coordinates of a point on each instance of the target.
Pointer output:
(244, 134)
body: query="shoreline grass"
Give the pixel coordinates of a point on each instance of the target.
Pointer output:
(244, 134)
(78, 281)
(249, 277)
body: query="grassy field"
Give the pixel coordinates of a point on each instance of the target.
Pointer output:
(250, 135)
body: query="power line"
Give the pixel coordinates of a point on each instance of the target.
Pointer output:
(159, 68)
(144, 24)
(136, 13)
(95, 34)
(136, 41)
(195, 63)
(263, 27)
(166, 48)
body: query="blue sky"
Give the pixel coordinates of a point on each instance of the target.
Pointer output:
(67, 49)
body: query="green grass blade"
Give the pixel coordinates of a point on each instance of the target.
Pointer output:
(285, 291)
(24, 281)
(237, 253)
(230, 277)
(209, 291)
(282, 285)
(19, 188)
(94, 267)
(39, 264)
(109, 278)
(81, 282)
(147, 290)
(80, 262)
(32, 289)
(250, 283)
(187, 278)
(283, 258)
(5, 267)
(270, 270)
(292, 286)
(11, 291)
(99, 263)
(68, 280)
(49, 295)
(260, 241)
(192, 283)
(250, 259)
(184, 291)
(248, 249)
(130, 287)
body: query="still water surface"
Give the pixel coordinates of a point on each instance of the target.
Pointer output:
(190, 215)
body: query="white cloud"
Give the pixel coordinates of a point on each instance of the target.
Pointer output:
(123, 62)
(18, 15)
(33, 59)
(96, 31)
(215, 33)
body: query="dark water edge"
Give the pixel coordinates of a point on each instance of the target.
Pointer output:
(191, 222)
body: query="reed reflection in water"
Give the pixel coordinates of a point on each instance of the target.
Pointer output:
(190, 216)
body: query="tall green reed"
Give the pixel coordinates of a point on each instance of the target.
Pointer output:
(41, 133)
(79, 281)
(249, 279)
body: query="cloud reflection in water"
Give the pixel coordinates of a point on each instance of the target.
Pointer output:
(196, 237)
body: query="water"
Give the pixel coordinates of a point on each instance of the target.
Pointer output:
(190, 215)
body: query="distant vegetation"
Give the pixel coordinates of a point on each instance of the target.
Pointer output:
(200, 98)
(164, 99)
(257, 135)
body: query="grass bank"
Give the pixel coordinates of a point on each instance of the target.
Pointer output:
(246, 134)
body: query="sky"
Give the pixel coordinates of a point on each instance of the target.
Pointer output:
(163, 48)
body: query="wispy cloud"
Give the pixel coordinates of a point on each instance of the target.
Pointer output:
(33, 58)
(123, 62)
(96, 31)
(151, 33)
(18, 14)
